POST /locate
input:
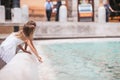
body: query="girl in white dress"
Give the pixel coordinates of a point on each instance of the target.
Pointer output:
(8, 47)
(22, 66)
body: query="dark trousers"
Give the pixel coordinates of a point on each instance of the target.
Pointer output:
(57, 15)
(48, 14)
(107, 17)
(2, 63)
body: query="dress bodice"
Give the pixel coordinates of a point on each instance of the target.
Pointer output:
(8, 47)
(11, 40)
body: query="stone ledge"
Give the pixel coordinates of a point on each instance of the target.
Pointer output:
(57, 30)
(76, 29)
(10, 23)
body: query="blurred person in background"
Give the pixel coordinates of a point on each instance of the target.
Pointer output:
(48, 8)
(59, 3)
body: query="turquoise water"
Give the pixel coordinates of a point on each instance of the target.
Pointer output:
(85, 61)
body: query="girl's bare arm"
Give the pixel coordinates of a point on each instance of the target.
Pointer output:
(25, 47)
(24, 50)
(30, 44)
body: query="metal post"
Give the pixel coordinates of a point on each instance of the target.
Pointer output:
(16, 28)
(0, 2)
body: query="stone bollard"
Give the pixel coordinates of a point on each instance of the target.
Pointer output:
(2, 14)
(16, 15)
(25, 13)
(101, 14)
(63, 13)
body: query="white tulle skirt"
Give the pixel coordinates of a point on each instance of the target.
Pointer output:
(22, 67)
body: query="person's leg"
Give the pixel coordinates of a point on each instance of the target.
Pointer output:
(2, 63)
(58, 15)
(47, 13)
(50, 12)
(107, 17)
(56, 19)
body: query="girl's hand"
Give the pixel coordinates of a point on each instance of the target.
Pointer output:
(40, 59)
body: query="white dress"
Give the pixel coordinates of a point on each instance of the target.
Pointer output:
(8, 47)
(21, 66)
(26, 67)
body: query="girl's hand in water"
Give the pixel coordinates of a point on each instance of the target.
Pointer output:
(40, 59)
